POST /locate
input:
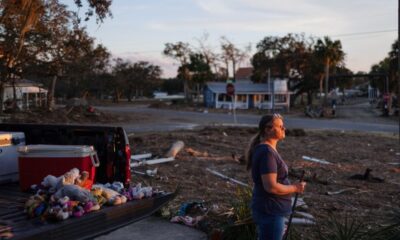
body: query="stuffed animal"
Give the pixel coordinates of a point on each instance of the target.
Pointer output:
(97, 193)
(112, 197)
(35, 205)
(139, 192)
(74, 192)
(91, 206)
(84, 181)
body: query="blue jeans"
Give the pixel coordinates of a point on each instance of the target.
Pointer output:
(270, 227)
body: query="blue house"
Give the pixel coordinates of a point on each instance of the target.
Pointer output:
(248, 95)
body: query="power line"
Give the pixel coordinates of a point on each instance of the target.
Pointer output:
(364, 33)
(255, 43)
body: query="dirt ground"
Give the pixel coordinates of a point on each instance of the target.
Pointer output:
(73, 114)
(370, 201)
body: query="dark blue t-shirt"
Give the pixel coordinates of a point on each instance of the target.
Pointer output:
(266, 160)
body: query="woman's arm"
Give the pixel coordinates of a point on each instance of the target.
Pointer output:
(272, 186)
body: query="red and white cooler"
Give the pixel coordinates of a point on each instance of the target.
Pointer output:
(38, 161)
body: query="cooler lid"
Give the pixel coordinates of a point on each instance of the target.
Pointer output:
(57, 149)
(11, 138)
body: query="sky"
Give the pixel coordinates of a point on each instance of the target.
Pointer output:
(139, 29)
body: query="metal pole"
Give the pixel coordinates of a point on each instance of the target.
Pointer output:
(293, 208)
(270, 88)
(398, 61)
(234, 109)
(273, 95)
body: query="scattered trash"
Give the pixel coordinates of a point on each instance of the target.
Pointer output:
(187, 220)
(141, 156)
(341, 191)
(302, 221)
(315, 160)
(224, 133)
(151, 162)
(188, 207)
(195, 153)
(300, 203)
(176, 165)
(227, 178)
(151, 173)
(240, 160)
(306, 215)
(175, 148)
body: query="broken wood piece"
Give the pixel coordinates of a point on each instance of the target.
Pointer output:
(141, 156)
(340, 191)
(195, 153)
(306, 215)
(227, 178)
(316, 160)
(302, 221)
(175, 148)
(151, 162)
(300, 203)
(138, 172)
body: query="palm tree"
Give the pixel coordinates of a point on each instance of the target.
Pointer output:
(332, 54)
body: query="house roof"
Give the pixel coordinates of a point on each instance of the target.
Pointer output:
(244, 73)
(24, 83)
(240, 88)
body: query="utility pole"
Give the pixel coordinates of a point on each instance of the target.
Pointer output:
(398, 62)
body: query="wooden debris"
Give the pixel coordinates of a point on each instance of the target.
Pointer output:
(141, 156)
(227, 178)
(152, 162)
(316, 160)
(195, 153)
(175, 149)
(340, 191)
(302, 221)
(306, 215)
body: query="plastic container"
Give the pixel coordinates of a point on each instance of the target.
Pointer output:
(9, 141)
(38, 161)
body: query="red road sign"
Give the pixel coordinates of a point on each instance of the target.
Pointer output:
(230, 89)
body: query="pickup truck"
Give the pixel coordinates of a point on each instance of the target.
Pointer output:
(113, 150)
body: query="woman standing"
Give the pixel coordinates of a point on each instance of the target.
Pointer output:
(271, 200)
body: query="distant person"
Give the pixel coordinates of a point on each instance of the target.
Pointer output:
(272, 191)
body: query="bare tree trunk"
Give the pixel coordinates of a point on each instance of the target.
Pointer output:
(50, 94)
(326, 81)
(1, 97)
(234, 68)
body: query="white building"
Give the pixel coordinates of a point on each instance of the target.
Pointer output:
(28, 94)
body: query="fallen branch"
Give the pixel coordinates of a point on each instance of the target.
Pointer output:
(227, 178)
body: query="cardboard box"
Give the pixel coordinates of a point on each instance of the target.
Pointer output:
(38, 161)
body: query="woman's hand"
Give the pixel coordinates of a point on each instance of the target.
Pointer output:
(300, 187)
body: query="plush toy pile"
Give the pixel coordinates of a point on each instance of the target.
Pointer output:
(74, 194)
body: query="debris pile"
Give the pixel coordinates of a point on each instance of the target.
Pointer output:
(329, 188)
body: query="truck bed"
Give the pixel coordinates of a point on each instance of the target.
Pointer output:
(108, 218)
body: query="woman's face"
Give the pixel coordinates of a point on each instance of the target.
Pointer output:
(277, 129)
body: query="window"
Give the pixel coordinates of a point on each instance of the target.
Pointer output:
(266, 98)
(280, 98)
(241, 98)
(224, 98)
